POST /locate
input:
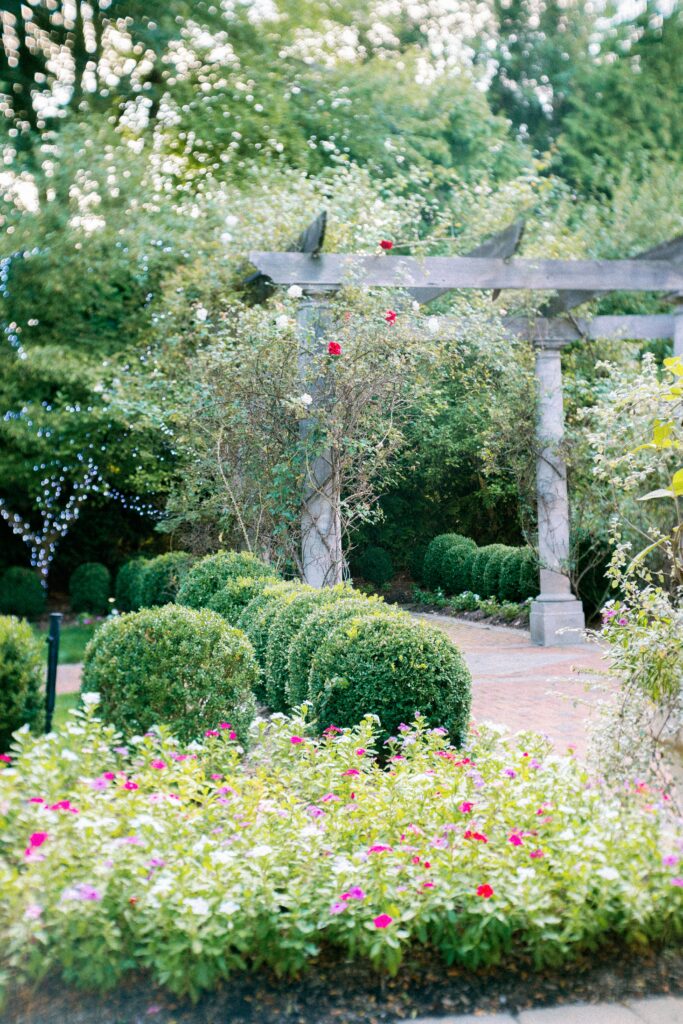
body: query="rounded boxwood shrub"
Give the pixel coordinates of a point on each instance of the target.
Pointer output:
(285, 623)
(392, 667)
(456, 566)
(509, 584)
(231, 600)
(256, 618)
(128, 586)
(432, 569)
(529, 582)
(89, 588)
(493, 570)
(481, 561)
(210, 574)
(22, 593)
(22, 667)
(162, 577)
(374, 564)
(178, 666)
(312, 633)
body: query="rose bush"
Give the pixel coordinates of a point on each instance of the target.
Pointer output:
(193, 862)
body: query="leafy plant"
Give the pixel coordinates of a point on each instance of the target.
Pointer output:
(210, 574)
(374, 564)
(22, 593)
(433, 569)
(128, 591)
(22, 668)
(231, 600)
(162, 577)
(89, 588)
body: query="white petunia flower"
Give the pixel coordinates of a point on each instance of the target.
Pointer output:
(198, 905)
(609, 874)
(90, 698)
(433, 325)
(282, 322)
(416, 307)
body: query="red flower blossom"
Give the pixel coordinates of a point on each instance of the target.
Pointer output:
(5, 758)
(390, 316)
(485, 891)
(466, 807)
(479, 836)
(351, 771)
(334, 349)
(386, 244)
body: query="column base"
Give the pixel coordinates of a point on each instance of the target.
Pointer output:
(556, 623)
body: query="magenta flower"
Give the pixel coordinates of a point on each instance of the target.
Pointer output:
(511, 773)
(535, 854)
(351, 771)
(216, 777)
(108, 776)
(382, 921)
(670, 861)
(5, 758)
(677, 882)
(130, 785)
(354, 893)
(381, 849)
(328, 797)
(159, 765)
(296, 739)
(224, 725)
(211, 732)
(100, 783)
(315, 812)
(466, 807)
(36, 800)
(337, 908)
(427, 885)
(360, 751)
(515, 839)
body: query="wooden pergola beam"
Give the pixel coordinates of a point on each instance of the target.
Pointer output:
(636, 327)
(334, 270)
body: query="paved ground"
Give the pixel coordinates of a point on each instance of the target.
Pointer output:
(512, 680)
(660, 1010)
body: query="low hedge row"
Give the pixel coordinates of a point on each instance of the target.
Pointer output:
(22, 667)
(455, 564)
(22, 593)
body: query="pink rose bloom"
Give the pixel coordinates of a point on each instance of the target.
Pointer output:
(382, 921)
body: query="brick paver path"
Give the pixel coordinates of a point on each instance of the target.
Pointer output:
(658, 1010)
(512, 680)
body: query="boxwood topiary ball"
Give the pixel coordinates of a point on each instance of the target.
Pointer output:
(210, 574)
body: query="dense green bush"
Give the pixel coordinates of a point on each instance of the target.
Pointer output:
(509, 584)
(210, 574)
(479, 566)
(312, 633)
(89, 588)
(392, 667)
(162, 577)
(178, 666)
(374, 564)
(456, 566)
(529, 583)
(494, 568)
(286, 621)
(22, 593)
(128, 586)
(231, 600)
(432, 570)
(22, 665)
(256, 618)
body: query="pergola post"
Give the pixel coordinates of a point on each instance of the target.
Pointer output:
(321, 540)
(556, 615)
(678, 325)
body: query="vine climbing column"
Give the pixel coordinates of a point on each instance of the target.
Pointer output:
(556, 615)
(321, 539)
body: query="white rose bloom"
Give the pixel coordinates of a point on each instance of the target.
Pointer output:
(433, 325)
(306, 399)
(295, 291)
(281, 322)
(202, 313)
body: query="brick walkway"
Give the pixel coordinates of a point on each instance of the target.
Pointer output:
(659, 1010)
(512, 680)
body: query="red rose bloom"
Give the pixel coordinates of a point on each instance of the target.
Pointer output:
(386, 244)
(485, 891)
(390, 316)
(334, 349)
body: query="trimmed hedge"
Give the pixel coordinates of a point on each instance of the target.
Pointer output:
(312, 633)
(433, 568)
(529, 583)
(210, 575)
(479, 565)
(375, 565)
(287, 619)
(162, 577)
(494, 567)
(128, 586)
(173, 665)
(231, 600)
(22, 593)
(456, 567)
(256, 618)
(22, 666)
(390, 666)
(519, 575)
(89, 588)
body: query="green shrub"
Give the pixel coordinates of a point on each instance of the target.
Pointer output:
(162, 577)
(529, 584)
(22, 593)
(494, 568)
(392, 667)
(415, 561)
(479, 566)
(312, 633)
(22, 668)
(256, 618)
(456, 566)
(128, 586)
(286, 621)
(231, 600)
(173, 665)
(432, 570)
(375, 565)
(89, 588)
(509, 581)
(210, 574)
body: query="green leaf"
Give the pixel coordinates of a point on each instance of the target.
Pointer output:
(677, 482)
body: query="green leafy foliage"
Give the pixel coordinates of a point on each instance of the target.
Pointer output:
(494, 569)
(162, 577)
(173, 665)
(480, 565)
(231, 600)
(432, 570)
(22, 668)
(21, 593)
(210, 574)
(391, 667)
(255, 620)
(374, 564)
(128, 590)
(511, 586)
(89, 588)
(456, 567)
(528, 575)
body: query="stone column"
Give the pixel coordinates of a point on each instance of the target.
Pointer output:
(321, 540)
(678, 326)
(555, 608)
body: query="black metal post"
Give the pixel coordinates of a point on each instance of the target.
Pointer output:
(52, 657)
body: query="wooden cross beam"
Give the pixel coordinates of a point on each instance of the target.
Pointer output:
(334, 270)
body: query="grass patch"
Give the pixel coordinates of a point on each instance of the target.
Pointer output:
(72, 642)
(64, 703)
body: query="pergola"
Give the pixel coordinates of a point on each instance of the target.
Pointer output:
(556, 615)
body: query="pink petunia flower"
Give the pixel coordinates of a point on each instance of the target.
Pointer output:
(381, 849)
(158, 765)
(515, 839)
(296, 739)
(382, 921)
(670, 861)
(536, 854)
(466, 807)
(337, 908)
(351, 771)
(5, 758)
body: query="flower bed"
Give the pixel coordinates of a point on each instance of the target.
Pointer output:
(192, 863)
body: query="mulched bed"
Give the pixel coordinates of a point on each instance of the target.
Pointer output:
(521, 622)
(346, 993)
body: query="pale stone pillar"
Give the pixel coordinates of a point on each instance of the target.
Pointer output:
(321, 540)
(555, 609)
(678, 326)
